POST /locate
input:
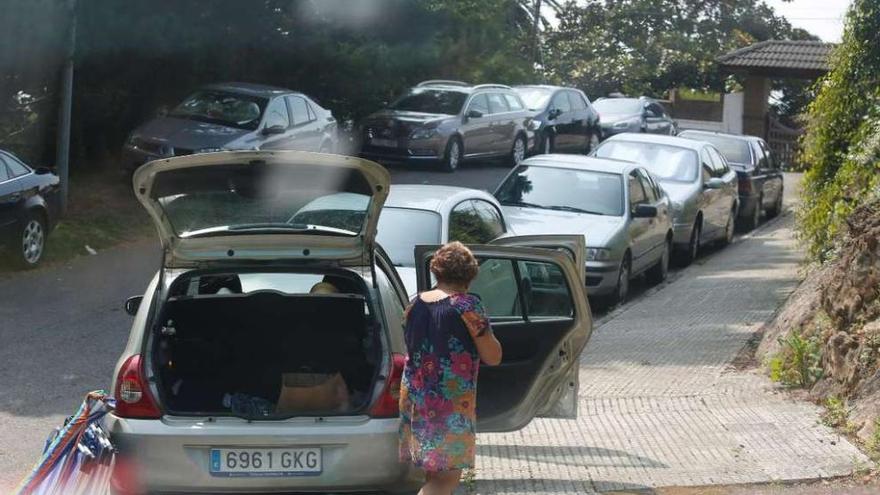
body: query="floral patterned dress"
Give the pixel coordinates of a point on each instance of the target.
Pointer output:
(439, 386)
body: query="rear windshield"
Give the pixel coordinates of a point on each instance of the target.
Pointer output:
(262, 198)
(220, 107)
(563, 189)
(667, 162)
(402, 229)
(735, 150)
(618, 106)
(535, 98)
(431, 101)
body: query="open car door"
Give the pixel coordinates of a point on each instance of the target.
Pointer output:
(537, 303)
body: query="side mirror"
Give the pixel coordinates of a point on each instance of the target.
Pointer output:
(43, 170)
(644, 211)
(275, 129)
(714, 183)
(474, 114)
(132, 304)
(553, 113)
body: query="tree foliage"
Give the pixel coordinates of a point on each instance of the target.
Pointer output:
(842, 142)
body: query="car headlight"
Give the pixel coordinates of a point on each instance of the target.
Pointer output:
(598, 254)
(534, 125)
(208, 150)
(423, 133)
(621, 125)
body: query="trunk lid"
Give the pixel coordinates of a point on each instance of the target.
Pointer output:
(263, 205)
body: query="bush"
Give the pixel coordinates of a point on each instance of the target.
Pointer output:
(841, 146)
(799, 363)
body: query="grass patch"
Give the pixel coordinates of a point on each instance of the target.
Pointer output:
(698, 95)
(836, 415)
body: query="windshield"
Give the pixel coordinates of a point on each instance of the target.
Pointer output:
(218, 107)
(735, 150)
(402, 229)
(667, 162)
(249, 198)
(431, 101)
(535, 98)
(617, 106)
(563, 189)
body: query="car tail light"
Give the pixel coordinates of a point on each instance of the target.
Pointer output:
(388, 405)
(133, 399)
(745, 183)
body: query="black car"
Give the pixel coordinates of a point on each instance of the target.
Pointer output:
(29, 207)
(622, 114)
(759, 175)
(563, 120)
(234, 116)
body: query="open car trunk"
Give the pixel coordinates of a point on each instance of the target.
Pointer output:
(264, 354)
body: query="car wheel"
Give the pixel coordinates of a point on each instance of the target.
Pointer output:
(777, 206)
(518, 152)
(657, 274)
(693, 248)
(592, 143)
(729, 228)
(453, 155)
(32, 241)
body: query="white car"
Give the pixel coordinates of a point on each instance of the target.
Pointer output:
(416, 214)
(223, 384)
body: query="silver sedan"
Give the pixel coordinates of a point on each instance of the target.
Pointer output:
(617, 205)
(700, 183)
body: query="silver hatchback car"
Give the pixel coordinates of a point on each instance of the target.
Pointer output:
(616, 205)
(266, 353)
(697, 178)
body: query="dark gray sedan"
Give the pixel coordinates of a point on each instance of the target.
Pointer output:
(758, 173)
(697, 178)
(234, 116)
(643, 114)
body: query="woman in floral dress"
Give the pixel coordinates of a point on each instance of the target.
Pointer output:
(447, 335)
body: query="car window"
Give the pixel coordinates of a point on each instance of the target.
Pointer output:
(497, 103)
(490, 216)
(431, 101)
(16, 168)
(400, 230)
(276, 114)
(652, 110)
(548, 295)
(497, 286)
(706, 165)
(576, 100)
(551, 188)
(560, 102)
(513, 102)
(299, 108)
(768, 155)
(4, 175)
(650, 194)
(636, 191)
(312, 115)
(720, 163)
(672, 163)
(466, 226)
(480, 104)
(734, 149)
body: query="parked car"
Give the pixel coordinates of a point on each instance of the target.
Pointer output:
(563, 119)
(759, 175)
(616, 205)
(231, 314)
(234, 116)
(416, 214)
(447, 122)
(29, 208)
(642, 114)
(697, 179)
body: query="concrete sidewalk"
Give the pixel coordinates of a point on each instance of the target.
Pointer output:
(661, 403)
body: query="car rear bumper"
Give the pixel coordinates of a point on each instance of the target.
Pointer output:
(602, 277)
(172, 455)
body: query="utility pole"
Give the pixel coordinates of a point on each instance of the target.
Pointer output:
(62, 144)
(536, 47)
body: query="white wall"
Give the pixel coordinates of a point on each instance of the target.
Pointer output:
(731, 122)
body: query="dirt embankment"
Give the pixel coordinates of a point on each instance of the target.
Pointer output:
(837, 311)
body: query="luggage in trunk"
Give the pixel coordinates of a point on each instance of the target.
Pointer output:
(230, 353)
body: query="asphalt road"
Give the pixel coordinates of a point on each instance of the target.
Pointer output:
(62, 328)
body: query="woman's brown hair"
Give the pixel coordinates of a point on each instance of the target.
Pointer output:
(454, 263)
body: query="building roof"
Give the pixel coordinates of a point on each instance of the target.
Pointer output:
(783, 58)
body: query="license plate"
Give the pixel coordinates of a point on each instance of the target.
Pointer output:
(298, 461)
(387, 143)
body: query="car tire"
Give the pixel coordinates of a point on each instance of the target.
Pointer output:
(452, 157)
(776, 209)
(689, 254)
(518, 150)
(621, 290)
(754, 219)
(729, 228)
(31, 241)
(658, 273)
